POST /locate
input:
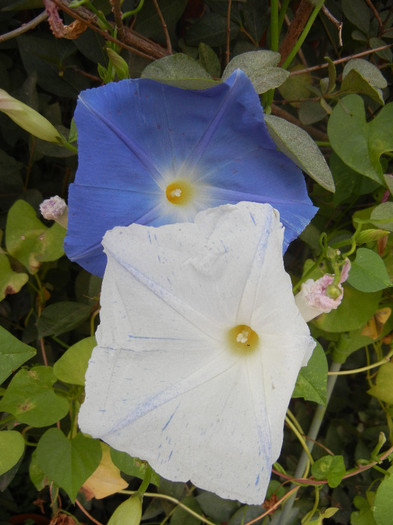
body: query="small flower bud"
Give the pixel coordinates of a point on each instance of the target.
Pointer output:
(323, 295)
(55, 209)
(333, 291)
(27, 118)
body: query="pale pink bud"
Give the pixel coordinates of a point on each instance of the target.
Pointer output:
(55, 209)
(321, 296)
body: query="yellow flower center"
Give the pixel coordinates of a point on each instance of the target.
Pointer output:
(243, 339)
(179, 192)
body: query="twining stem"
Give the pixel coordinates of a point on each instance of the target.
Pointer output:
(228, 43)
(340, 60)
(274, 25)
(281, 16)
(364, 368)
(87, 514)
(312, 435)
(164, 27)
(172, 500)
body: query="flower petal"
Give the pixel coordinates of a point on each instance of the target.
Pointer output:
(137, 136)
(164, 384)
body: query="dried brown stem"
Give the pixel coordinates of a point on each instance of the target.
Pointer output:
(134, 42)
(296, 27)
(164, 27)
(117, 14)
(336, 22)
(87, 514)
(340, 60)
(24, 27)
(228, 47)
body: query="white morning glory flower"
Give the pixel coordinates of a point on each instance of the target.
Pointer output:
(199, 348)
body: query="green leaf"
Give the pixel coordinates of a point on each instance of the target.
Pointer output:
(31, 400)
(382, 389)
(311, 111)
(48, 58)
(68, 462)
(210, 28)
(37, 476)
(358, 143)
(383, 503)
(13, 353)
(28, 240)
(128, 513)
(260, 68)
(360, 76)
(353, 313)
(10, 282)
(72, 365)
(358, 13)
(215, 507)
(311, 381)
(120, 65)
(300, 147)
(132, 466)
(368, 272)
(209, 60)
(370, 235)
(148, 22)
(348, 343)
(382, 216)
(62, 317)
(297, 86)
(12, 446)
(182, 517)
(177, 67)
(331, 468)
(385, 54)
(364, 515)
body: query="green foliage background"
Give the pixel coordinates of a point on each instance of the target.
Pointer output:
(329, 106)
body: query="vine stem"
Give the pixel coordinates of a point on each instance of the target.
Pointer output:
(274, 29)
(303, 36)
(312, 435)
(172, 500)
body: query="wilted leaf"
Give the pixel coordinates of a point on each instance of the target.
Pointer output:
(382, 389)
(10, 282)
(106, 479)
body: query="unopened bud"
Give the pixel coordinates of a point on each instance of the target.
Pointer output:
(28, 118)
(333, 291)
(55, 209)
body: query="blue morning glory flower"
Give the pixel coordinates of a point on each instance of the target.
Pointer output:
(154, 154)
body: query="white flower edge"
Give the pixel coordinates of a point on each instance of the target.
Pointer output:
(164, 384)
